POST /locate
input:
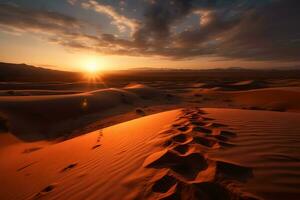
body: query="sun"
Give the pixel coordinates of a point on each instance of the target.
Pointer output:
(91, 71)
(92, 67)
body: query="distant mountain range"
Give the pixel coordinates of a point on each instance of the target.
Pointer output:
(215, 69)
(10, 72)
(23, 72)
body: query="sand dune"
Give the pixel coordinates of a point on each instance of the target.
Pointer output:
(54, 143)
(275, 99)
(36, 92)
(268, 142)
(187, 153)
(183, 170)
(232, 86)
(49, 116)
(176, 162)
(16, 86)
(78, 168)
(247, 85)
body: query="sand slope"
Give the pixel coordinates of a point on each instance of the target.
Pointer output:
(182, 168)
(188, 153)
(162, 156)
(268, 142)
(275, 99)
(92, 165)
(49, 116)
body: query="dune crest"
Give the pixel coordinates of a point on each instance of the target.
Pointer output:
(187, 153)
(52, 116)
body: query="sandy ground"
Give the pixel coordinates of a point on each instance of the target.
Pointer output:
(245, 95)
(274, 99)
(179, 154)
(36, 117)
(268, 142)
(92, 165)
(67, 142)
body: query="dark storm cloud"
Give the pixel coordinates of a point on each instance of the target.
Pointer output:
(251, 30)
(269, 32)
(259, 31)
(159, 16)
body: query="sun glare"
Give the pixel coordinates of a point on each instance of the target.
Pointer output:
(92, 67)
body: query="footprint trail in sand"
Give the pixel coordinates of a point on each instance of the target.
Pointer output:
(183, 170)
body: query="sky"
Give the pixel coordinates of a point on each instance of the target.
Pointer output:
(75, 34)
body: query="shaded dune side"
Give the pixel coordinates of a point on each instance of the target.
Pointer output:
(51, 116)
(233, 86)
(182, 168)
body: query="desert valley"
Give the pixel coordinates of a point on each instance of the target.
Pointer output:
(181, 136)
(149, 100)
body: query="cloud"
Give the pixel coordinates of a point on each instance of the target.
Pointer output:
(59, 29)
(266, 33)
(72, 2)
(237, 30)
(249, 30)
(121, 21)
(158, 18)
(21, 19)
(52, 26)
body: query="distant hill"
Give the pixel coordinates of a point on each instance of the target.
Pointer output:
(27, 73)
(229, 74)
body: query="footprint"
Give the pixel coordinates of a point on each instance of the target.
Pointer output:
(176, 125)
(173, 194)
(190, 165)
(203, 190)
(215, 125)
(197, 123)
(194, 117)
(212, 190)
(96, 146)
(219, 137)
(205, 141)
(70, 166)
(188, 169)
(44, 191)
(233, 171)
(182, 149)
(49, 188)
(227, 134)
(181, 138)
(167, 143)
(29, 150)
(183, 128)
(161, 159)
(163, 184)
(207, 119)
(226, 144)
(202, 129)
(24, 167)
(100, 135)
